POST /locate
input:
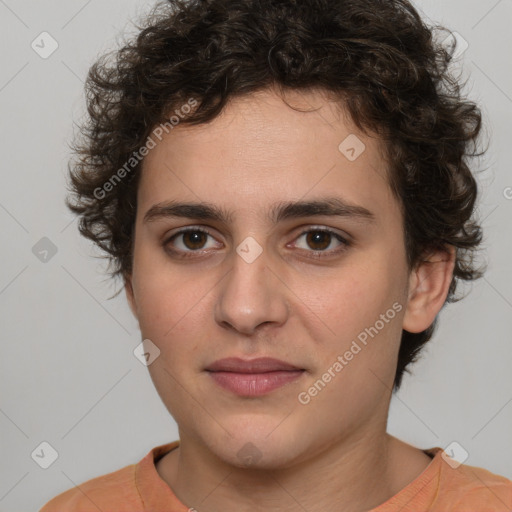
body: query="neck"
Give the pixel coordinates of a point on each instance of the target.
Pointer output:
(355, 475)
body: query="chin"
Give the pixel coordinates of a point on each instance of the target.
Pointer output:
(264, 445)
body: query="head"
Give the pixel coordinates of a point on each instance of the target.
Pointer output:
(241, 110)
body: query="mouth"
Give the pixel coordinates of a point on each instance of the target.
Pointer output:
(254, 377)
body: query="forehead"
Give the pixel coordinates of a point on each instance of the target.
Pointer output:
(261, 150)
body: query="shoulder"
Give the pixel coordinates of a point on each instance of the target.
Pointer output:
(467, 487)
(112, 489)
(124, 490)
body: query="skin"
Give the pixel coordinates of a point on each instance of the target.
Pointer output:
(332, 453)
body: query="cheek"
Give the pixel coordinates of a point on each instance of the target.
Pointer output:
(357, 368)
(167, 309)
(363, 309)
(164, 296)
(356, 297)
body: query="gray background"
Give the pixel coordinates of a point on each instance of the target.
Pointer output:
(68, 373)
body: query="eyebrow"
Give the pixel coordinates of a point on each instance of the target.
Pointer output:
(330, 207)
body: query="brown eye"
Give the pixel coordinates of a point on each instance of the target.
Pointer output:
(189, 241)
(194, 239)
(317, 241)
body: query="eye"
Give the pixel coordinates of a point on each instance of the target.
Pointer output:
(321, 239)
(189, 241)
(186, 242)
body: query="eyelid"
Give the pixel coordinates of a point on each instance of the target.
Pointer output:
(326, 229)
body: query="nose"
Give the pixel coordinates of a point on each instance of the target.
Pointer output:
(251, 295)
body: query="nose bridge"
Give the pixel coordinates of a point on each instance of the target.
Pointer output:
(250, 295)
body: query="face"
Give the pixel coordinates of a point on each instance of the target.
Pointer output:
(324, 290)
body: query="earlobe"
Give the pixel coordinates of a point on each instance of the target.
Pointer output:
(429, 284)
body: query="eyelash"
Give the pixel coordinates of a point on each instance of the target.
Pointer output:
(316, 254)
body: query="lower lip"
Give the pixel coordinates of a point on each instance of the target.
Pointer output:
(254, 384)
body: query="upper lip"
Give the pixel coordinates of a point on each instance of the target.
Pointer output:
(259, 365)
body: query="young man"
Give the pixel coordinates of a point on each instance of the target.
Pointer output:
(284, 189)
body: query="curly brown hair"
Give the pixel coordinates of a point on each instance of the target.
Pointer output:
(377, 56)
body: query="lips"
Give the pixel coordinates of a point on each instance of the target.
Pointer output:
(252, 378)
(260, 365)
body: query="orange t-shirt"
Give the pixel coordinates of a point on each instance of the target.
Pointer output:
(439, 488)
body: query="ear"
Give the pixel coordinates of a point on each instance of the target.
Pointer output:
(429, 284)
(128, 288)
